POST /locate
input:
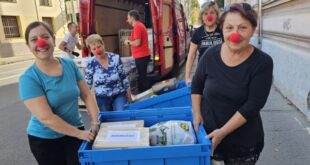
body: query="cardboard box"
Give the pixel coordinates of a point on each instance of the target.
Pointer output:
(123, 124)
(122, 138)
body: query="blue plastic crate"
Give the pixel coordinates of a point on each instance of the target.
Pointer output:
(178, 98)
(192, 154)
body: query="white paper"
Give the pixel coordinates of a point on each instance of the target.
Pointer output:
(123, 136)
(125, 126)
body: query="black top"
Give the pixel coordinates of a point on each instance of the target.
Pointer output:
(205, 39)
(226, 90)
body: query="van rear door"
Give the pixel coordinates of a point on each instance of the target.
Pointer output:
(166, 36)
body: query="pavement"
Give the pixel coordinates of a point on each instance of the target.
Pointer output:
(287, 131)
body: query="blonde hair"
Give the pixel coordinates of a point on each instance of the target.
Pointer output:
(93, 38)
(205, 7)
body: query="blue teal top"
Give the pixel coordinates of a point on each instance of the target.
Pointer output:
(62, 94)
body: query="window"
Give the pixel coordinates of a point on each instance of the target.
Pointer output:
(13, 1)
(49, 21)
(10, 26)
(45, 3)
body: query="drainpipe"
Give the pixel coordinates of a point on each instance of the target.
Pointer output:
(260, 23)
(35, 4)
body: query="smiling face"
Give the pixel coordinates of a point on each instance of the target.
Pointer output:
(209, 16)
(235, 23)
(45, 51)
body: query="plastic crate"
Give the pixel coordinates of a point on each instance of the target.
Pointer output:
(180, 97)
(191, 154)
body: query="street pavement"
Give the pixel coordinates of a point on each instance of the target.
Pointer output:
(287, 131)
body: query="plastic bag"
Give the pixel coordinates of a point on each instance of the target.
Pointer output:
(172, 132)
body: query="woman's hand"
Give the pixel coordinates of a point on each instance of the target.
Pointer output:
(216, 137)
(197, 120)
(188, 81)
(127, 42)
(128, 95)
(85, 135)
(95, 128)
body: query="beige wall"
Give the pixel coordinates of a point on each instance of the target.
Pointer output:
(25, 11)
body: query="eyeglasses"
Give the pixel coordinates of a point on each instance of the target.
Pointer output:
(207, 4)
(241, 6)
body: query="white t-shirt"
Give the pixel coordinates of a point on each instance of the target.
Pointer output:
(71, 43)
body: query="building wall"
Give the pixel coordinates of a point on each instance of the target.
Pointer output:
(25, 10)
(287, 39)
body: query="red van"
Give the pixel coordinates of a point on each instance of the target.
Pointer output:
(164, 19)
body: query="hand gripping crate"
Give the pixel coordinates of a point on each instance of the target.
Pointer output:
(190, 154)
(181, 97)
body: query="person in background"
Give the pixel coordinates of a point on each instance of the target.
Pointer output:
(206, 36)
(230, 87)
(139, 48)
(105, 71)
(70, 41)
(50, 89)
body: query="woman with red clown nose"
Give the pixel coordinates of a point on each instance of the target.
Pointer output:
(50, 89)
(105, 72)
(230, 87)
(206, 36)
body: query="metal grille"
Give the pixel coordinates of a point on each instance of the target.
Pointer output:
(10, 25)
(49, 21)
(45, 3)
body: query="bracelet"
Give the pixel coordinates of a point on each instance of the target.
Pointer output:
(94, 123)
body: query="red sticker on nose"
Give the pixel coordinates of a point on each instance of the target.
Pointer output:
(209, 17)
(41, 43)
(98, 52)
(234, 37)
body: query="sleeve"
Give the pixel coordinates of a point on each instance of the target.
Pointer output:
(89, 74)
(200, 77)
(29, 88)
(122, 74)
(259, 89)
(66, 38)
(78, 75)
(196, 37)
(137, 33)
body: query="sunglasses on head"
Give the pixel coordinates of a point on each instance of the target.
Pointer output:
(242, 6)
(207, 4)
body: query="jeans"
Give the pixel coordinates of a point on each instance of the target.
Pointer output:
(141, 64)
(113, 103)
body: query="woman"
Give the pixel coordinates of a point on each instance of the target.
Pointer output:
(206, 36)
(105, 71)
(230, 87)
(50, 89)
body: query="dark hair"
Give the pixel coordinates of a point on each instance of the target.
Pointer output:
(70, 24)
(36, 24)
(244, 9)
(134, 14)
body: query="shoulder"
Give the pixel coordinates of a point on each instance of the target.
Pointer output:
(114, 57)
(91, 61)
(29, 76)
(263, 57)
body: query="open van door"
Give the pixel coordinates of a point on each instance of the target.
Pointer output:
(166, 37)
(180, 29)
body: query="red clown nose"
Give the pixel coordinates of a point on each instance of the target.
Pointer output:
(41, 43)
(98, 52)
(209, 18)
(234, 37)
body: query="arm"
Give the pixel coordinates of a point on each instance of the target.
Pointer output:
(62, 46)
(42, 111)
(135, 42)
(190, 60)
(197, 91)
(79, 46)
(90, 103)
(89, 74)
(124, 80)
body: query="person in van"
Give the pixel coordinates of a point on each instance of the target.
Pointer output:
(139, 48)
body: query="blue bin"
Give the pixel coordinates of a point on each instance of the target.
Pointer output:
(180, 97)
(191, 154)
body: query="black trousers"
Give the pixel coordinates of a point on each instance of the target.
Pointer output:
(141, 64)
(61, 151)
